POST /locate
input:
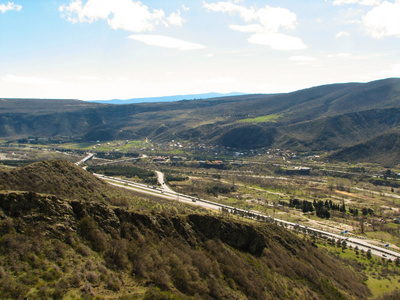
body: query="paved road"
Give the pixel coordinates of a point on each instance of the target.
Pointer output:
(350, 241)
(167, 193)
(164, 186)
(159, 192)
(86, 158)
(122, 160)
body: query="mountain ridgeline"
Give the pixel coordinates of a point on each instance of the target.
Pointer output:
(333, 117)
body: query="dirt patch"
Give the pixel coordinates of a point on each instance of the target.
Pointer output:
(347, 194)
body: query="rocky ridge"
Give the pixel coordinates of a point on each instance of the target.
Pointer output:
(183, 255)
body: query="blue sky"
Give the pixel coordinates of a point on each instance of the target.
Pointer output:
(106, 49)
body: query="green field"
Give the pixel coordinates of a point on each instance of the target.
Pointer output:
(262, 119)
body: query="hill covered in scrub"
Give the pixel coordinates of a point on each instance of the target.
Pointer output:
(324, 118)
(383, 149)
(63, 179)
(64, 249)
(60, 248)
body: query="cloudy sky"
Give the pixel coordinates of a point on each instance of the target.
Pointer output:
(106, 49)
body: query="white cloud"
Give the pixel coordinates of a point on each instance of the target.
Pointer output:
(383, 20)
(342, 34)
(120, 14)
(9, 6)
(185, 8)
(361, 2)
(275, 18)
(246, 14)
(176, 19)
(264, 24)
(166, 42)
(29, 80)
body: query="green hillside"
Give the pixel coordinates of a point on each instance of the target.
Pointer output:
(62, 249)
(383, 149)
(56, 177)
(323, 118)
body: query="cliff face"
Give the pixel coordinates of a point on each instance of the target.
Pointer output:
(203, 255)
(240, 236)
(55, 216)
(58, 217)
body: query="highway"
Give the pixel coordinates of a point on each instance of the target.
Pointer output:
(122, 160)
(160, 177)
(86, 158)
(165, 192)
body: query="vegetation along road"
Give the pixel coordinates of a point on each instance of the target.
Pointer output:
(167, 193)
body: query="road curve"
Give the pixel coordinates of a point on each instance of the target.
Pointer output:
(164, 186)
(157, 191)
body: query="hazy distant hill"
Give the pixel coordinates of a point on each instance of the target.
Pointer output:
(166, 98)
(324, 118)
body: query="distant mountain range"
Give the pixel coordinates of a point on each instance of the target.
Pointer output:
(349, 120)
(166, 98)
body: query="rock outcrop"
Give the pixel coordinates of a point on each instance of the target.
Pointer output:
(56, 216)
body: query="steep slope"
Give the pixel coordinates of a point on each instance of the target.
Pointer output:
(60, 178)
(52, 248)
(335, 132)
(383, 149)
(379, 94)
(322, 118)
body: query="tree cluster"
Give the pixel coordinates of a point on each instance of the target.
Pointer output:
(119, 170)
(218, 189)
(116, 154)
(320, 207)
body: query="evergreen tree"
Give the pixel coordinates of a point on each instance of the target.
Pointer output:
(369, 254)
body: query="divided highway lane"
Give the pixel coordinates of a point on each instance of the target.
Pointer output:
(167, 193)
(122, 160)
(86, 158)
(157, 191)
(360, 243)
